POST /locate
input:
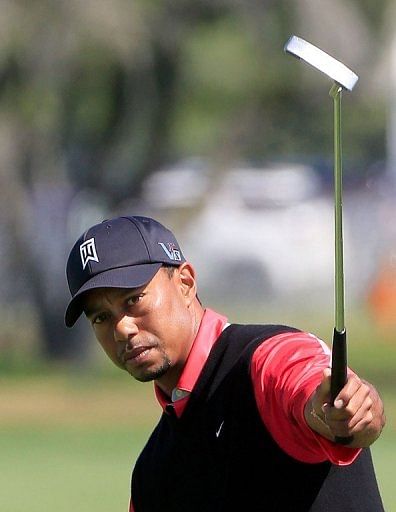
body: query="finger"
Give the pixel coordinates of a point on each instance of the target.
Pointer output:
(351, 387)
(344, 423)
(348, 407)
(364, 421)
(359, 404)
(323, 390)
(362, 414)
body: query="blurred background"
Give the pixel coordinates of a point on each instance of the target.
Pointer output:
(189, 112)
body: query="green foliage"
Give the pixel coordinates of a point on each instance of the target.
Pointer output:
(238, 90)
(159, 80)
(220, 73)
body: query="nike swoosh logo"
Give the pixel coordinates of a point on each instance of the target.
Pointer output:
(219, 429)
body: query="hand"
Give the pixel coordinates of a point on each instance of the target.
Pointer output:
(357, 411)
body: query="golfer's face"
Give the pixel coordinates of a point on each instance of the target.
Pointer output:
(147, 331)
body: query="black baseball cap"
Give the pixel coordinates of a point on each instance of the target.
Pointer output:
(125, 252)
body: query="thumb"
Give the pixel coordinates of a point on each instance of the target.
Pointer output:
(323, 390)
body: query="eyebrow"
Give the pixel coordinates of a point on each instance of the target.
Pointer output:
(90, 311)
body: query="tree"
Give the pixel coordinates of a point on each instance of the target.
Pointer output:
(96, 95)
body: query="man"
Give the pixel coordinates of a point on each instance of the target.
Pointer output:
(246, 422)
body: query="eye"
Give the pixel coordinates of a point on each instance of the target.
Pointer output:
(134, 299)
(99, 318)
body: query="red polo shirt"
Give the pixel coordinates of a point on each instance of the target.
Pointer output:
(285, 371)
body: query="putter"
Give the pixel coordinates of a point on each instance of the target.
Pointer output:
(343, 78)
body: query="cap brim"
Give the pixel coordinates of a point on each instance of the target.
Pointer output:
(124, 277)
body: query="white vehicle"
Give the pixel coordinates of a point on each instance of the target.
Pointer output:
(266, 232)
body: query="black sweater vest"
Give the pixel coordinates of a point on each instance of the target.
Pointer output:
(220, 457)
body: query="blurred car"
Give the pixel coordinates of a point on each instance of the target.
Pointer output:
(177, 186)
(266, 233)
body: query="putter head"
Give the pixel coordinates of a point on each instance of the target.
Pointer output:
(321, 61)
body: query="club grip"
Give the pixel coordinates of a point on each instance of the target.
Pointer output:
(339, 372)
(338, 364)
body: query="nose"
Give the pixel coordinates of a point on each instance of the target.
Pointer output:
(125, 329)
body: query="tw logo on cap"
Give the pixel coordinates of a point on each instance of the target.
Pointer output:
(171, 251)
(88, 252)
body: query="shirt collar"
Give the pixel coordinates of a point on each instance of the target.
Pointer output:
(212, 325)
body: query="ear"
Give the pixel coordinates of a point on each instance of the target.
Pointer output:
(187, 281)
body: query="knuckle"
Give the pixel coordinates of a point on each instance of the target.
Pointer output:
(355, 380)
(365, 422)
(349, 410)
(366, 389)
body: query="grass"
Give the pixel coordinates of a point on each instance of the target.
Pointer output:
(384, 456)
(70, 444)
(66, 468)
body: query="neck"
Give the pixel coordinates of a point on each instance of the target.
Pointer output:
(168, 382)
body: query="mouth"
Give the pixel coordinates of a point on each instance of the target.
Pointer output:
(136, 356)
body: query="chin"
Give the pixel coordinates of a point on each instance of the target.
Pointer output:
(153, 374)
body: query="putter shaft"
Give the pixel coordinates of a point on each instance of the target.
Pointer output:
(339, 347)
(336, 94)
